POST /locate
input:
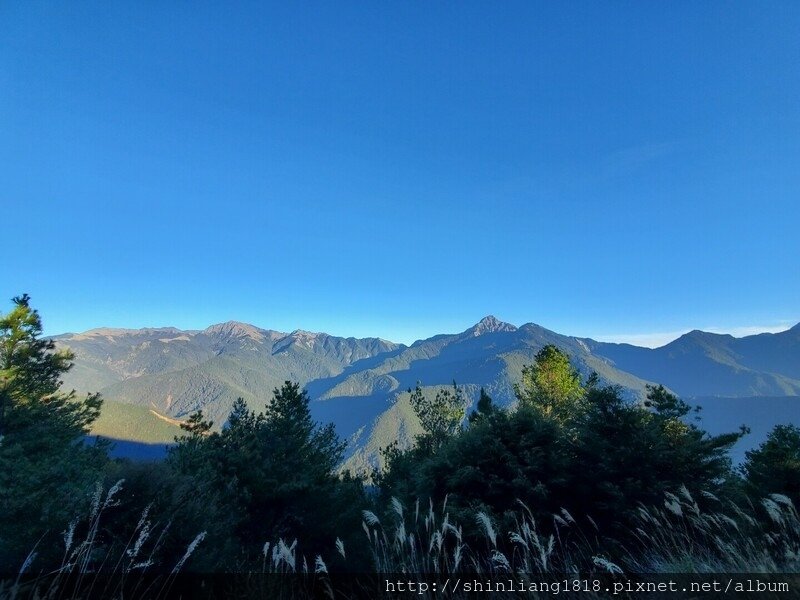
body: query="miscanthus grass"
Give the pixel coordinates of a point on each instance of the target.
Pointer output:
(677, 536)
(681, 538)
(95, 563)
(437, 546)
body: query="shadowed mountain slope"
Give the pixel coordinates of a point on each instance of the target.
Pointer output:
(361, 384)
(177, 372)
(710, 364)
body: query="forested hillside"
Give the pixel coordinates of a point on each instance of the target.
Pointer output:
(575, 476)
(361, 385)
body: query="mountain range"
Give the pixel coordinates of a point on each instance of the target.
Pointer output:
(152, 379)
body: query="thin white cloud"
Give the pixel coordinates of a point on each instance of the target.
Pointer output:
(661, 338)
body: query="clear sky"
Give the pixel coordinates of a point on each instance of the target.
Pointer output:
(403, 168)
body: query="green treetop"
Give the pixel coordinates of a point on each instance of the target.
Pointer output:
(552, 385)
(774, 467)
(44, 461)
(441, 416)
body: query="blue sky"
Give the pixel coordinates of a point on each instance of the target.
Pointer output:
(618, 170)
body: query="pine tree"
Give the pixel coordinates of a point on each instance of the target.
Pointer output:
(552, 385)
(45, 462)
(272, 473)
(440, 417)
(191, 448)
(484, 408)
(626, 453)
(774, 467)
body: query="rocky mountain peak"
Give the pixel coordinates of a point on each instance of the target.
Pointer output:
(235, 329)
(305, 338)
(490, 324)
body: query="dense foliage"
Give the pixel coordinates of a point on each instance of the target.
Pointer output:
(774, 467)
(269, 475)
(47, 469)
(567, 445)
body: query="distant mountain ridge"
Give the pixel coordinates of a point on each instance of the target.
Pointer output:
(710, 364)
(360, 384)
(177, 372)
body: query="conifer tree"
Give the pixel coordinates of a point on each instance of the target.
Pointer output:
(552, 385)
(273, 473)
(440, 417)
(45, 461)
(484, 408)
(774, 467)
